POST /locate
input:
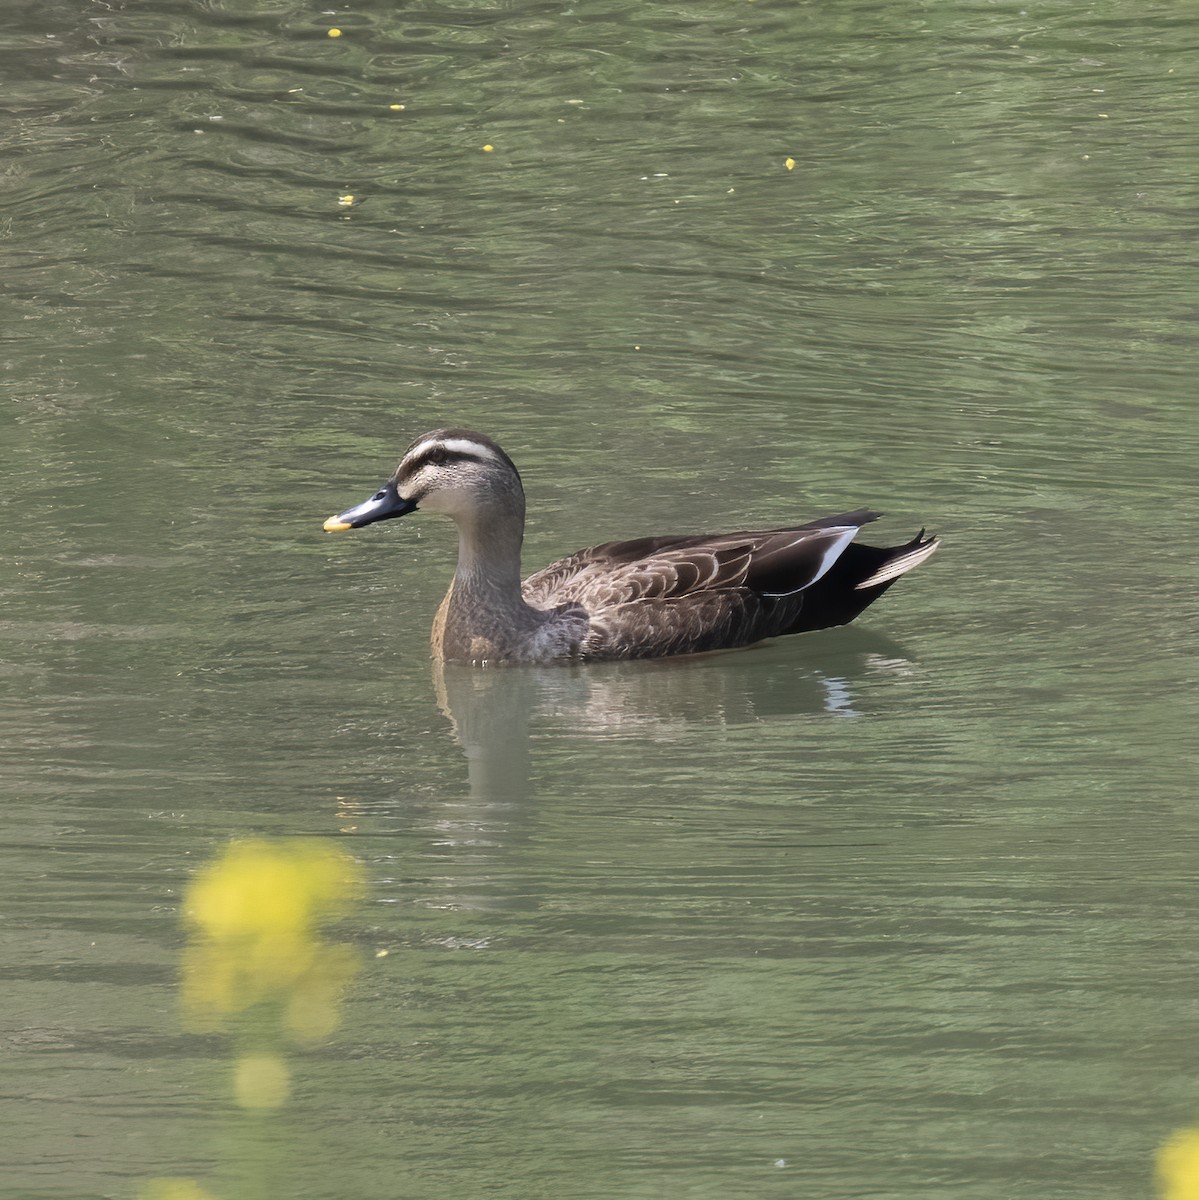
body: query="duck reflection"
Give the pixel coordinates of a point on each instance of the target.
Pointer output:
(495, 713)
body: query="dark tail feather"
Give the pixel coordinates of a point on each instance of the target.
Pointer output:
(856, 580)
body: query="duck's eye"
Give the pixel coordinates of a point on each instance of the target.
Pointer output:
(439, 456)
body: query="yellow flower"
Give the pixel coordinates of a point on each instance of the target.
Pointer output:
(259, 887)
(1178, 1166)
(255, 915)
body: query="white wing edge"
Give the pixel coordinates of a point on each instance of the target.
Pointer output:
(901, 565)
(834, 550)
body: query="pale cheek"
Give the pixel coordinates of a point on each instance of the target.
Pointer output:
(440, 502)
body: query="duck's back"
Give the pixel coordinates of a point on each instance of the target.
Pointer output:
(687, 594)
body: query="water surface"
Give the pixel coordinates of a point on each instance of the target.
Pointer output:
(895, 911)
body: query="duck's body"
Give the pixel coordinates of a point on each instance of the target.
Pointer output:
(639, 599)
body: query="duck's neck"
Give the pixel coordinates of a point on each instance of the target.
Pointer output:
(484, 615)
(489, 556)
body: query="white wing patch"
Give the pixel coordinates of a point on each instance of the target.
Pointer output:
(833, 551)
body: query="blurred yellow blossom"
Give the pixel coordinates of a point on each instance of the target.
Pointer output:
(173, 1189)
(1178, 1166)
(261, 1080)
(254, 917)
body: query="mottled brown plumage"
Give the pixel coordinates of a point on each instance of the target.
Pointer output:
(636, 599)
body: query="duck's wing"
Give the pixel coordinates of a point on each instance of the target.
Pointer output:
(672, 595)
(771, 561)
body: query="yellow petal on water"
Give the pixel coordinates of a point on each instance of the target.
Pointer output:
(345, 201)
(334, 33)
(1178, 1166)
(396, 107)
(261, 1081)
(488, 148)
(790, 164)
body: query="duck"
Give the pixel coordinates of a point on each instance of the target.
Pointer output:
(651, 597)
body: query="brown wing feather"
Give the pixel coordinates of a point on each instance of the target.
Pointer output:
(606, 577)
(777, 561)
(678, 595)
(706, 620)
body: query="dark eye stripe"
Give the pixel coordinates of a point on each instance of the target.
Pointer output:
(439, 456)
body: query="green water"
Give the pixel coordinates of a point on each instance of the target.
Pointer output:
(896, 911)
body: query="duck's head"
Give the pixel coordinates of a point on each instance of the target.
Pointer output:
(454, 471)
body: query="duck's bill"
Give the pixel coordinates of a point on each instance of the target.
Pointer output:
(385, 503)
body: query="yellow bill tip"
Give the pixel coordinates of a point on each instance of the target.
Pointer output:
(336, 525)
